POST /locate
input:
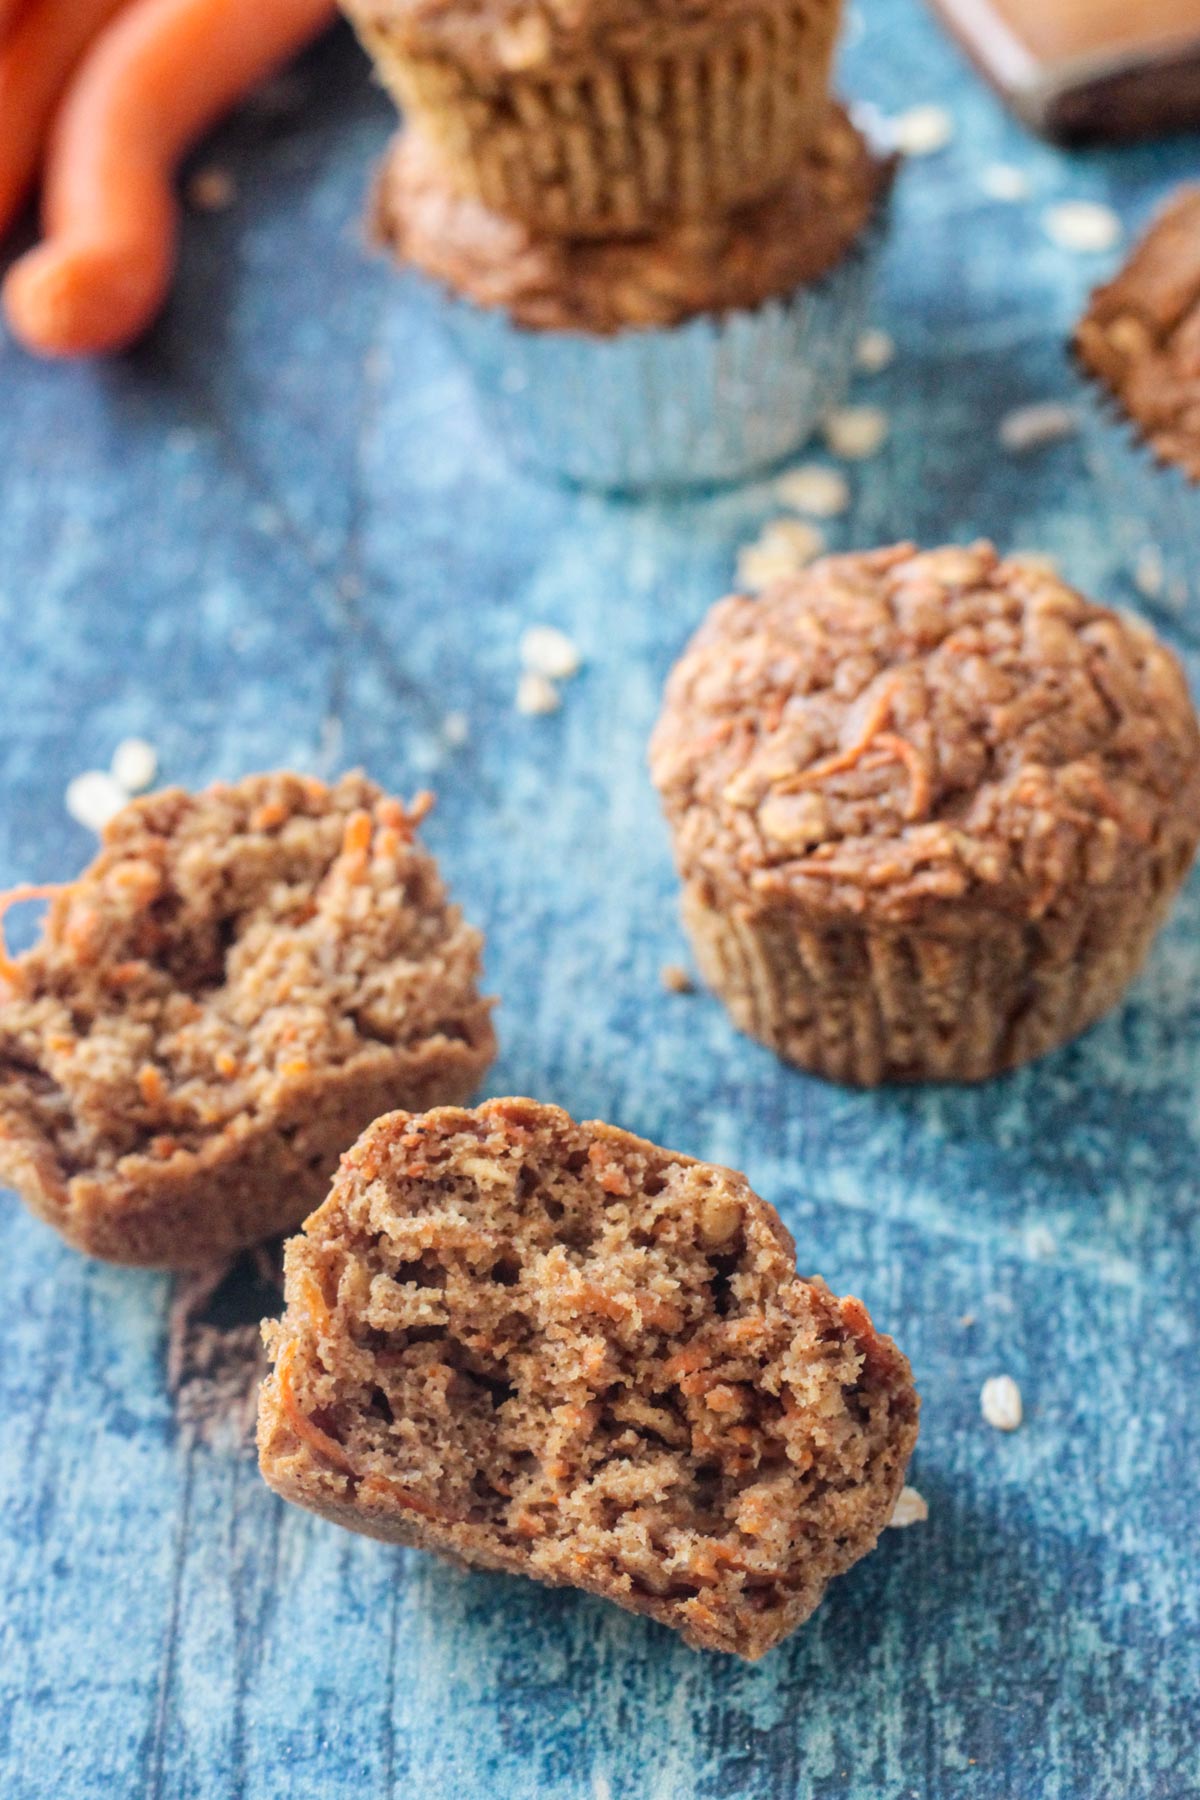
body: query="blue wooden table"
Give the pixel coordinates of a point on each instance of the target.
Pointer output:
(279, 535)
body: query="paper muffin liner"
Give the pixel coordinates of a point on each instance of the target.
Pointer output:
(622, 143)
(864, 1005)
(1153, 509)
(700, 404)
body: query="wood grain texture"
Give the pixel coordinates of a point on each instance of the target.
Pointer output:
(1087, 68)
(277, 534)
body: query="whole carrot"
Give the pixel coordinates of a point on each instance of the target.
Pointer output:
(155, 80)
(39, 46)
(8, 13)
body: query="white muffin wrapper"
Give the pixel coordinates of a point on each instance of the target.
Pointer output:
(1153, 509)
(698, 405)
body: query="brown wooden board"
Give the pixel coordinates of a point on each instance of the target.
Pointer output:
(1079, 69)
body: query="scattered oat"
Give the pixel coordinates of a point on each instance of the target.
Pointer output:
(1033, 427)
(875, 351)
(94, 798)
(211, 189)
(536, 696)
(785, 547)
(814, 489)
(456, 730)
(856, 432)
(1149, 572)
(134, 765)
(1036, 562)
(1040, 1241)
(922, 130)
(1082, 225)
(545, 650)
(1000, 1402)
(1001, 181)
(966, 1320)
(676, 979)
(911, 1509)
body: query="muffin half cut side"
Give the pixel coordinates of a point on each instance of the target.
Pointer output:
(238, 984)
(555, 1349)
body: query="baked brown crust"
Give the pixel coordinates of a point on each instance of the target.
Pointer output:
(929, 809)
(604, 286)
(611, 118)
(510, 36)
(240, 981)
(558, 1350)
(1140, 335)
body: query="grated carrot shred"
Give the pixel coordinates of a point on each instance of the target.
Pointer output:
(356, 839)
(9, 967)
(686, 1361)
(314, 1299)
(396, 1491)
(842, 760)
(301, 1424)
(890, 744)
(151, 1085)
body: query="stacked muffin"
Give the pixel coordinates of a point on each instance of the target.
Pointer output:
(654, 225)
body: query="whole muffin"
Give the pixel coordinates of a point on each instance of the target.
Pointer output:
(559, 1350)
(929, 810)
(241, 981)
(1138, 344)
(602, 116)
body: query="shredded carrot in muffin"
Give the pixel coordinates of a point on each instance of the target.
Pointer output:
(843, 760)
(9, 967)
(888, 745)
(301, 1424)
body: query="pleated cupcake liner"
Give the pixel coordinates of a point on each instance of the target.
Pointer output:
(619, 143)
(1152, 508)
(702, 404)
(865, 1005)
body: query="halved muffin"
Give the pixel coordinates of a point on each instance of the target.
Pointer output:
(238, 984)
(555, 1349)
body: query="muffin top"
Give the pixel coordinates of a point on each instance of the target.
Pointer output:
(907, 732)
(607, 285)
(224, 950)
(538, 37)
(1141, 334)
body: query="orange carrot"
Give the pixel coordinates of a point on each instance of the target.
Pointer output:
(9, 968)
(304, 1428)
(40, 49)
(155, 81)
(9, 9)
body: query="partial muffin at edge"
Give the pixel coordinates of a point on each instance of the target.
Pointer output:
(929, 810)
(555, 1349)
(219, 1004)
(1140, 335)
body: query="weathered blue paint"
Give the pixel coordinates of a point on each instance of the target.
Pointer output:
(277, 535)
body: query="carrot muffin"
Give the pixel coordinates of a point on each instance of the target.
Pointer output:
(608, 116)
(1139, 345)
(683, 357)
(557, 1350)
(929, 810)
(238, 984)
(602, 286)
